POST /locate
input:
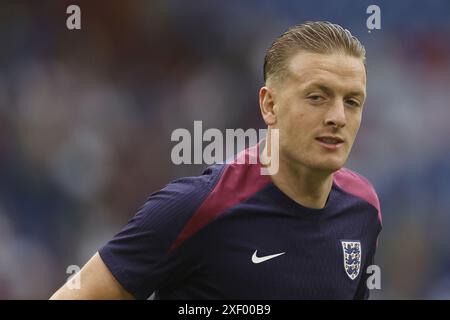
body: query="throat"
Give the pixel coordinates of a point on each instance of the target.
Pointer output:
(309, 189)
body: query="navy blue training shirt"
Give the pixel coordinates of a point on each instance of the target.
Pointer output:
(230, 233)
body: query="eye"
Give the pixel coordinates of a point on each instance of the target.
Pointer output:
(315, 98)
(353, 102)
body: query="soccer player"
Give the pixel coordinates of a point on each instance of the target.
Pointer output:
(309, 231)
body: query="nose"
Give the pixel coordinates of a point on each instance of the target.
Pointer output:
(335, 115)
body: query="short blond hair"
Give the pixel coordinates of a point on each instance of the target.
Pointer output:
(317, 37)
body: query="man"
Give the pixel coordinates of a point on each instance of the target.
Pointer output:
(308, 231)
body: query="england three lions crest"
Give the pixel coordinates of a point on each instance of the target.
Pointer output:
(352, 257)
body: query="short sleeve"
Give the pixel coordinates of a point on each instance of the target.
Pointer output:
(139, 256)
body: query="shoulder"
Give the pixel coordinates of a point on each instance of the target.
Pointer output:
(186, 205)
(192, 185)
(354, 183)
(237, 182)
(180, 198)
(138, 254)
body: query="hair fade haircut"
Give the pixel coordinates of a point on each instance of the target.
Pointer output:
(317, 37)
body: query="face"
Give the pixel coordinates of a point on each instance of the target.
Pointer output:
(317, 109)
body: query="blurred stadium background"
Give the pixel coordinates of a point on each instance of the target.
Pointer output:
(86, 118)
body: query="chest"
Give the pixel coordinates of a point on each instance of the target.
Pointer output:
(280, 258)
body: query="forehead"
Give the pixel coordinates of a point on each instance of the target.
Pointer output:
(337, 70)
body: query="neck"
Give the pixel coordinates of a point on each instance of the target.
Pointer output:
(310, 188)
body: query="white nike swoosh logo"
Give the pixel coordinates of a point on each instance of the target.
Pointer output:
(256, 259)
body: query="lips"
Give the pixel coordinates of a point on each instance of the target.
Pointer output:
(330, 142)
(330, 139)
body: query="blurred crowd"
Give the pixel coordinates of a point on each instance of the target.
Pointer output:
(86, 118)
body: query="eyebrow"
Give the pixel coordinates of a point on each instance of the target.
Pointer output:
(329, 91)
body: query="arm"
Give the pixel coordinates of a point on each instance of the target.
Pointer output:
(97, 283)
(138, 257)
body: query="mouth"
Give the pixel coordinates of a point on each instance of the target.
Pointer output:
(330, 142)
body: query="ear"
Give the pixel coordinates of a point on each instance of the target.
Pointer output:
(266, 104)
